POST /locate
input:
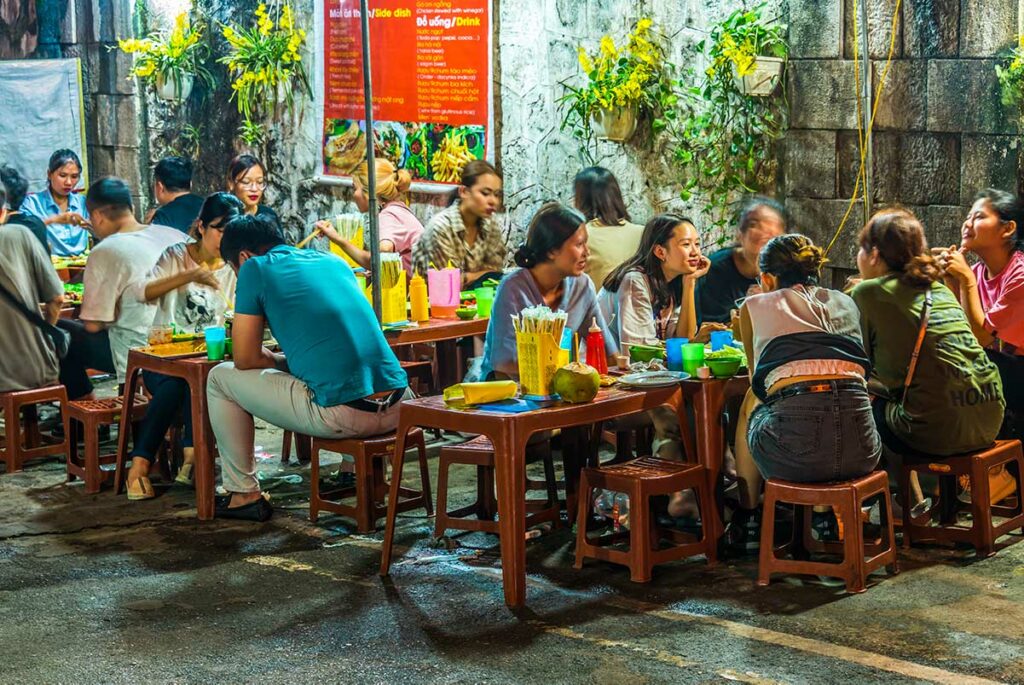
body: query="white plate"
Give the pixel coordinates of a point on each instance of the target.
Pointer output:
(653, 379)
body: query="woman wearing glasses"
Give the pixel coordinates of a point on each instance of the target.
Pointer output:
(184, 286)
(247, 180)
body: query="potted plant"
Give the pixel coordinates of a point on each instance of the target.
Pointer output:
(266, 65)
(623, 84)
(754, 48)
(170, 62)
(730, 121)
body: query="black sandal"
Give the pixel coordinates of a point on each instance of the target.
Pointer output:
(260, 510)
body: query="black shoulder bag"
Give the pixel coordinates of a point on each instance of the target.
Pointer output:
(61, 339)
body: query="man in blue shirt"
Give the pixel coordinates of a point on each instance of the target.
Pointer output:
(337, 378)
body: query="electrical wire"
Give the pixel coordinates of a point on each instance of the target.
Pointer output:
(862, 134)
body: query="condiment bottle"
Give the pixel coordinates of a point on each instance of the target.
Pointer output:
(418, 308)
(596, 357)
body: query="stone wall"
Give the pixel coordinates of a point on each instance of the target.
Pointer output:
(941, 133)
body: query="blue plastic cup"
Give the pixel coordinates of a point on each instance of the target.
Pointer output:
(215, 339)
(674, 353)
(720, 339)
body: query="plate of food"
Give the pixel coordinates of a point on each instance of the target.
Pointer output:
(653, 379)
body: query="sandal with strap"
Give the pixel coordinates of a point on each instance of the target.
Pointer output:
(140, 489)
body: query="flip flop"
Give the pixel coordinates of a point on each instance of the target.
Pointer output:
(185, 475)
(141, 489)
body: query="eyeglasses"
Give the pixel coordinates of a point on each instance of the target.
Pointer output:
(262, 185)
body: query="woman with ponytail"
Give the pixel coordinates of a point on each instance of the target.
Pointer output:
(807, 416)
(399, 228)
(552, 263)
(953, 402)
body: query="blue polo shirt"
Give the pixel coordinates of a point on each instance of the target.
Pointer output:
(65, 240)
(324, 324)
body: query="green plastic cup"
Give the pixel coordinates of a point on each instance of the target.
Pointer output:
(484, 301)
(215, 339)
(693, 357)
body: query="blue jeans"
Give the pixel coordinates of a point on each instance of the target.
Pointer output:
(816, 437)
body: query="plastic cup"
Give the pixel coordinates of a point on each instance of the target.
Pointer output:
(215, 339)
(720, 339)
(693, 357)
(674, 353)
(484, 301)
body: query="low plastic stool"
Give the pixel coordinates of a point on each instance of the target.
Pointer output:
(846, 498)
(88, 416)
(12, 451)
(642, 479)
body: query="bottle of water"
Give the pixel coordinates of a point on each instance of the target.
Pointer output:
(604, 502)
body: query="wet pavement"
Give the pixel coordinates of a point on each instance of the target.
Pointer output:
(96, 589)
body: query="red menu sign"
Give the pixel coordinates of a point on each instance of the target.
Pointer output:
(430, 63)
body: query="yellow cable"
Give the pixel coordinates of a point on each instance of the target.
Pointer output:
(871, 122)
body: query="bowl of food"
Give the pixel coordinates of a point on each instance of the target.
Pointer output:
(724, 363)
(645, 353)
(466, 313)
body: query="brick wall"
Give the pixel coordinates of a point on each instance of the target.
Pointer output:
(941, 133)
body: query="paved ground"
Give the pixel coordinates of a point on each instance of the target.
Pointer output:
(94, 589)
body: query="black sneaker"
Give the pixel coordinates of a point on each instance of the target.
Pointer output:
(743, 534)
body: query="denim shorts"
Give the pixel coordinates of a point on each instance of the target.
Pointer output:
(816, 437)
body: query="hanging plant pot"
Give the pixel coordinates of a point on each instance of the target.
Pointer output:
(168, 89)
(617, 125)
(763, 80)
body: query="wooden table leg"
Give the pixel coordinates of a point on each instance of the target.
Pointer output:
(202, 444)
(510, 473)
(397, 464)
(447, 363)
(709, 403)
(131, 384)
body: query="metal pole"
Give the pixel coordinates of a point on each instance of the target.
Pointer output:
(866, 110)
(371, 236)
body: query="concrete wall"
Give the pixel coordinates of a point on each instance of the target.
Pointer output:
(941, 132)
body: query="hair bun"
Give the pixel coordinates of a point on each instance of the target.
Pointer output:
(525, 257)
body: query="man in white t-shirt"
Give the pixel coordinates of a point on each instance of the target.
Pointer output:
(112, 320)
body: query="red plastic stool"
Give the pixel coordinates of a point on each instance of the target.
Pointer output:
(13, 450)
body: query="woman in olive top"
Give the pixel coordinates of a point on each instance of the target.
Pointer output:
(954, 401)
(247, 180)
(613, 236)
(734, 269)
(60, 207)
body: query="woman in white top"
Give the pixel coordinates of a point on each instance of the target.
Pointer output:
(192, 288)
(807, 416)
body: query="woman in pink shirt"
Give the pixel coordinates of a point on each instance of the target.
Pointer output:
(399, 227)
(992, 291)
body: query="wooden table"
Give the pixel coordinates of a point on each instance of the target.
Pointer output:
(194, 369)
(708, 400)
(509, 434)
(445, 333)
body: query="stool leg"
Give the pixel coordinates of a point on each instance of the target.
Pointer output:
(584, 497)
(853, 544)
(286, 447)
(314, 477)
(885, 507)
(12, 427)
(71, 435)
(92, 459)
(981, 509)
(364, 493)
(428, 503)
(442, 496)
(640, 535)
(767, 554)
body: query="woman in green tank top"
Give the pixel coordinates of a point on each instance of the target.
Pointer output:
(954, 400)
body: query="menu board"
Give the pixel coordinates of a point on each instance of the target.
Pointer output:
(431, 70)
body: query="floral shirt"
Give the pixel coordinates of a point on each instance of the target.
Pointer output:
(444, 240)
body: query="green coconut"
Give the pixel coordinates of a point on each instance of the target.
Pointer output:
(576, 382)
